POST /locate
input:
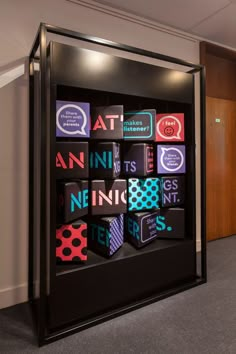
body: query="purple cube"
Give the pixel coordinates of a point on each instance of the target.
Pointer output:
(72, 119)
(171, 159)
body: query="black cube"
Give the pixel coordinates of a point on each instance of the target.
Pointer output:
(72, 160)
(138, 159)
(105, 160)
(172, 190)
(106, 234)
(140, 125)
(170, 223)
(107, 122)
(108, 197)
(72, 200)
(141, 228)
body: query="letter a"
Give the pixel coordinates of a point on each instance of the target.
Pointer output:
(60, 161)
(99, 124)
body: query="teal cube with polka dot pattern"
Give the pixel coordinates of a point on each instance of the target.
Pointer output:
(143, 194)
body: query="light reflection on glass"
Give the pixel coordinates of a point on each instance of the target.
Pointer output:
(98, 61)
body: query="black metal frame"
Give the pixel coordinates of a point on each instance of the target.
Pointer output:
(41, 44)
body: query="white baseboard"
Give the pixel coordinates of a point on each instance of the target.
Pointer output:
(14, 295)
(198, 245)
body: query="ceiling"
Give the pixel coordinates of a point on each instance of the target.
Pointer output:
(214, 20)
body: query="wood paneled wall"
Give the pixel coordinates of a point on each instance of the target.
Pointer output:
(221, 139)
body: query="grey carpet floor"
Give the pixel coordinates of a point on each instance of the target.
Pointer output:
(201, 320)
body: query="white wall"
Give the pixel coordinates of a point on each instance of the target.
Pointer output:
(14, 122)
(14, 191)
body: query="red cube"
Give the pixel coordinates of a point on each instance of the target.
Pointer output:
(71, 242)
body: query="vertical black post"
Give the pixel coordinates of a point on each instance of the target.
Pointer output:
(31, 168)
(203, 173)
(31, 181)
(52, 156)
(193, 167)
(43, 219)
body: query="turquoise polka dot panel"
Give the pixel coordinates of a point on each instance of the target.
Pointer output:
(143, 194)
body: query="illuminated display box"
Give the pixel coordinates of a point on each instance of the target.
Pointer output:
(106, 234)
(105, 160)
(71, 242)
(72, 200)
(108, 197)
(170, 223)
(72, 160)
(143, 194)
(172, 190)
(140, 125)
(104, 287)
(138, 159)
(107, 122)
(72, 119)
(141, 228)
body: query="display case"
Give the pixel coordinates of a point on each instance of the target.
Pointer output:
(112, 182)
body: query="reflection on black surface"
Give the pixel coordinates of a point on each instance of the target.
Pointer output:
(125, 251)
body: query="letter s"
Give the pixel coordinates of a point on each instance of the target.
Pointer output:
(160, 225)
(175, 184)
(133, 166)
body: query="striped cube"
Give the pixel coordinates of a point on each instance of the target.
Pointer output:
(106, 234)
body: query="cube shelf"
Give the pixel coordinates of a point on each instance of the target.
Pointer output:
(112, 202)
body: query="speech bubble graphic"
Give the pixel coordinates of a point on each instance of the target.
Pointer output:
(71, 119)
(170, 127)
(139, 125)
(171, 158)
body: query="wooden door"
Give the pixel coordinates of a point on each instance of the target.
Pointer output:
(221, 167)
